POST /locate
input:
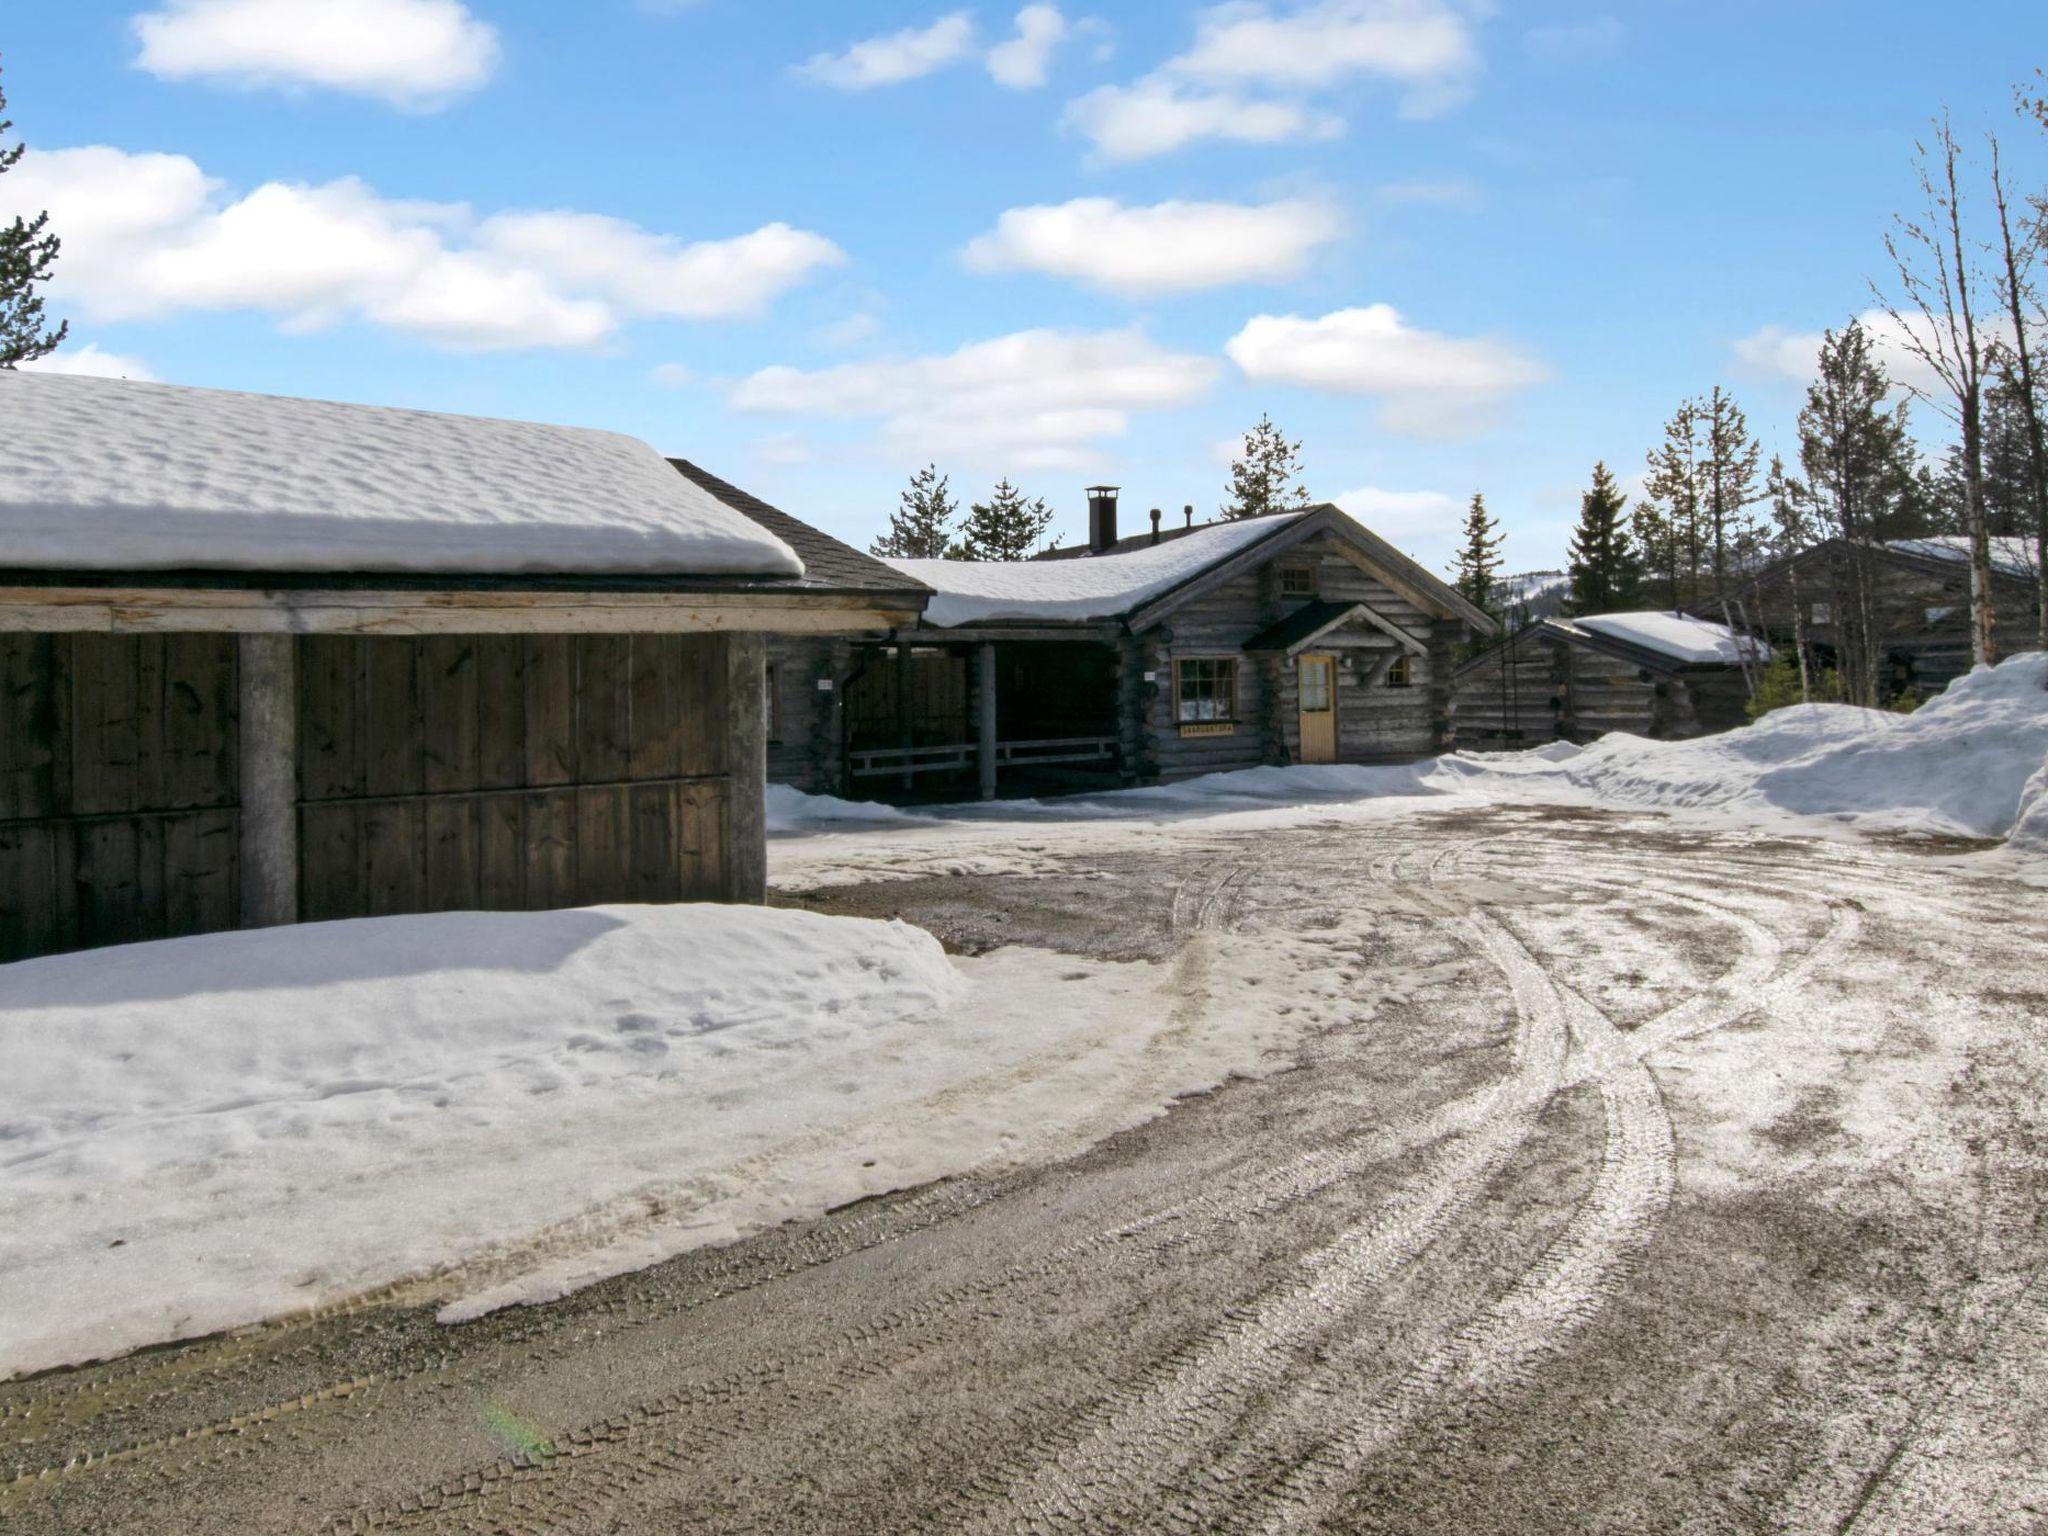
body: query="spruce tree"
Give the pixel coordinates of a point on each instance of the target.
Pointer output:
(27, 250)
(1479, 559)
(1669, 522)
(1005, 527)
(922, 528)
(1606, 572)
(1728, 488)
(1262, 480)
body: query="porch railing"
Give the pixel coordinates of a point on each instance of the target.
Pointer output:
(901, 762)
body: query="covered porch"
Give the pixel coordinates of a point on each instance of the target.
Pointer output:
(933, 716)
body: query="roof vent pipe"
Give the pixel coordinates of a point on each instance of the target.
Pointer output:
(1188, 512)
(1101, 519)
(1155, 525)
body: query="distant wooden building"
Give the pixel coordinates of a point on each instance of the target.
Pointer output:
(1918, 592)
(267, 660)
(1295, 638)
(1660, 675)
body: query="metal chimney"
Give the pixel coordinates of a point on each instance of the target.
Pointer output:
(1188, 512)
(1101, 518)
(1155, 525)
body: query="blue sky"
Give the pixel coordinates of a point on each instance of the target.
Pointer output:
(1449, 246)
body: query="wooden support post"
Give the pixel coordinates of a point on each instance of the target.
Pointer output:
(746, 841)
(906, 732)
(269, 752)
(985, 706)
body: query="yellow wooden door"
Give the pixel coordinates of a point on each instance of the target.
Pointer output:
(1315, 680)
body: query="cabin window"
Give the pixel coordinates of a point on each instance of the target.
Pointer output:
(1297, 581)
(1823, 613)
(1936, 615)
(1205, 691)
(1401, 673)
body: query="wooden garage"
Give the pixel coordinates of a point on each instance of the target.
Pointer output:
(214, 711)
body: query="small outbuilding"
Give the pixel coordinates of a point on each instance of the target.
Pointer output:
(268, 659)
(1662, 675)
(1299, 637)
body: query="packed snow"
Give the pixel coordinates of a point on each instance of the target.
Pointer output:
(1085, 587)
(111, 474)
(1678, 636)
(2011, 554)
(498, 1107)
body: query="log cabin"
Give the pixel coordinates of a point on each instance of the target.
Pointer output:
(1661, 675)
(1918, 593)
(1299, 637)
(266, 659)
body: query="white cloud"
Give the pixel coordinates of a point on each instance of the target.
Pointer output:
(1251, 70)
(1425, 382)
(650, 274)
(93, 360)
(1024, 61)
(151, 235)
(849, 331)
(901, 56)
(1171, 247)
(1032, 400)
(1452, 192)
(1773, 352)
(671, 375)
(1156, 116)
(413, 53)
(1425, 45)
(1403, 514)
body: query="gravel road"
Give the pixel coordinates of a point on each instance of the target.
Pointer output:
(1652, 1180)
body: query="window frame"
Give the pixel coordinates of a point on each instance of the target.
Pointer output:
(1223, 723)
(1311, 580)
(1400, 671)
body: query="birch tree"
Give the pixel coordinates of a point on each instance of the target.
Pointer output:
(1936, 316)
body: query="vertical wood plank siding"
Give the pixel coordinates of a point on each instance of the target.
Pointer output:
(440, 773)
(500, 772)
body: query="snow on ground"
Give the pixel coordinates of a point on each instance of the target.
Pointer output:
(1958, 766)
(1096, 588)
(1677, 636)
(203, 1132)
(111, 474)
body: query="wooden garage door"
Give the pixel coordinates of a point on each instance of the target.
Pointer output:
(503, 772)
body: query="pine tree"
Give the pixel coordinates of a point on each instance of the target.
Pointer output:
(1005, 527)
(1670, 520)
(922, 529)
(1728, 488)
(1262, 480)
(1479, 559)
(1859, 480)
(26, 251)
(1606, 572)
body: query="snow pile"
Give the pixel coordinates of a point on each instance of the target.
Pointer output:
(498, 1107)
(1085, 587)
(2030, 824)
(791, 810)
(1677, 636)
(2010, 553)
(111, 474)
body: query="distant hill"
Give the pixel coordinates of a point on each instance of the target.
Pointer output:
(1533, 595)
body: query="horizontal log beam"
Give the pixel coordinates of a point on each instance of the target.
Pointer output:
(334, 612)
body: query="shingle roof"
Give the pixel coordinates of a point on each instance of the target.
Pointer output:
(829, 565)
(1306, 622)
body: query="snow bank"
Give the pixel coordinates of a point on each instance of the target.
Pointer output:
(791, 810)
(1084, 587)
(498, 1107)
(112, 474)
(2030, 827)
(1677, 636)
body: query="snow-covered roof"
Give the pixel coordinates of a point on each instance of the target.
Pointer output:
(109, 474)
(1093, 587)
(2010, 554)
(1677, 636)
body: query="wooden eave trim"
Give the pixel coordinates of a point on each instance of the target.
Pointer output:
(1102, 631)
(142, 610)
